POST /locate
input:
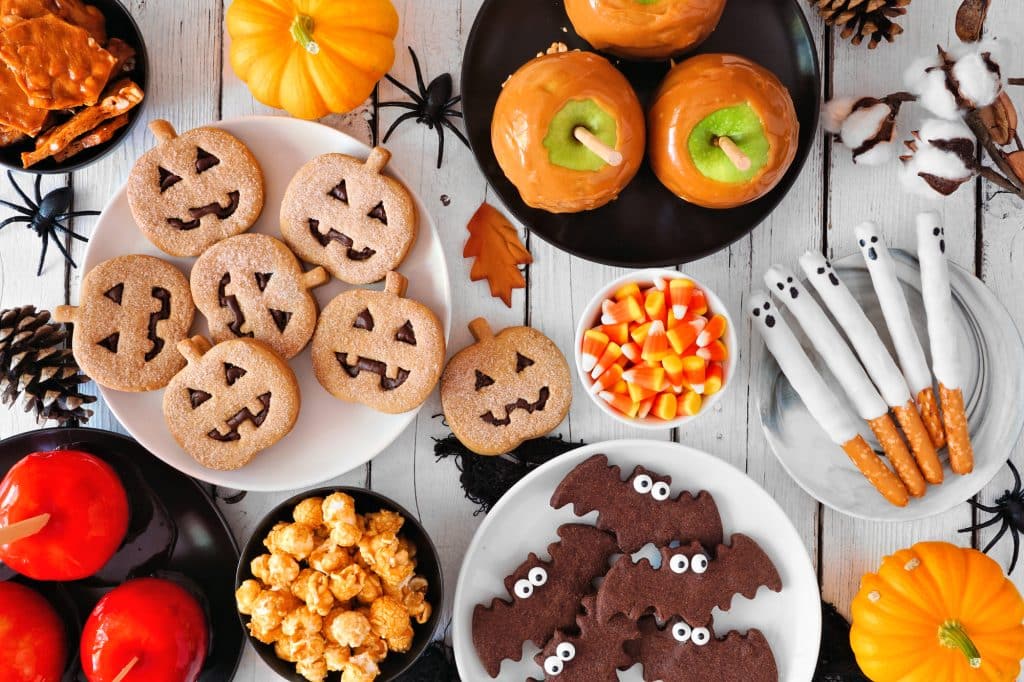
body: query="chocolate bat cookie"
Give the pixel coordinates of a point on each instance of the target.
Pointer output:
(594, 653)
(689, 583)
(545, 595)
(680, 653)
(640, 509)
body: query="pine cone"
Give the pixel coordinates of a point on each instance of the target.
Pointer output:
(34, 362)
(860, 19)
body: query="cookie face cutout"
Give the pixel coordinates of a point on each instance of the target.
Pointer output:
(252, 286)
(379, 348)
(505, 389)
(231, 401)
(132, 312)
(195, 189)
(343, 214)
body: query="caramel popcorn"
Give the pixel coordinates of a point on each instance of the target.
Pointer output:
(336, 591)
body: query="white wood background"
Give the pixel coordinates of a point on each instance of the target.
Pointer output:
(192, 84)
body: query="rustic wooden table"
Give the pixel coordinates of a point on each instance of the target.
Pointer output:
(192, 84)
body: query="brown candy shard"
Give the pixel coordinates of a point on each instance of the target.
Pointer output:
(76, 12)
(100, 134)
(9, 136)
(15, 111)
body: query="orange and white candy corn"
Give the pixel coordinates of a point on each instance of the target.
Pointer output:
(673, 365)
(619, 333)
(656, 344)
(594, 343)
(715, 378)
(610, 356)
(689, 404)
(654, 305)
(713, 330)
(608, 379)
(617, 312)
(665, 406)
(694, 372)
(631, 351)
(652, 378)
(628, 290)
(682, 336)
(645, 407)
(680, 294)
(714, 352)
(622, 403)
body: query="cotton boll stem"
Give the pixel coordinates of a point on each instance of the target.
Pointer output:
(1009, 178)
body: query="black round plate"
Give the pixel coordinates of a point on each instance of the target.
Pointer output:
(647, 226)
(175, 529)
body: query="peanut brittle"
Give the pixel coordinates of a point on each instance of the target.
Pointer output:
(74, 12)
(119, 99)
(124, 54)
(59, 66)
(9, 136)
(97, 136)
(15, 111)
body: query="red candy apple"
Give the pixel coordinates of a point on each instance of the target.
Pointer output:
(88, 510)
(32, 646)
(152, 621)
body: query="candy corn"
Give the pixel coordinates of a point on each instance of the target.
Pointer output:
(657, 351)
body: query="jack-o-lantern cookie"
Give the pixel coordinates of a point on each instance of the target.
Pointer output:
(132, 312)
(343, 214)
(231, 401)
(251, 285)
(195, 189)
(505, 389)
(379, 348)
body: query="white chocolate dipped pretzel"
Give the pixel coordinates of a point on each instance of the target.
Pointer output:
(896, 312)
(823, 405)
(946, 356)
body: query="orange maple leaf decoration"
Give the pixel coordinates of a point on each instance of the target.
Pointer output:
(495, 244)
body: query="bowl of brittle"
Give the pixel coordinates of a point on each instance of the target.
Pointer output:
(72, 78)
(339, 583)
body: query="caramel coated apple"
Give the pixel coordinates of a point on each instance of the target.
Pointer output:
(644, 29)
(722, 131)
(542, 111)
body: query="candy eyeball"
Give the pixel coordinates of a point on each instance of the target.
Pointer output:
(681, 632)
(643, 484)
(523, 588)
(565, 651)
(699, 563)
(701, 636)
(660, 491)
(553, 665)
(679, 563)
(537, 576)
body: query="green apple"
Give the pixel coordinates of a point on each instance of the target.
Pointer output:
(564, 149)
(743, 126)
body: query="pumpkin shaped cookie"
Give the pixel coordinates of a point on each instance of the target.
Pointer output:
(343, 214)
(251, 285)
(505, 389)
(231, 401)
(379, 348)
(132, 312)
(195, 189)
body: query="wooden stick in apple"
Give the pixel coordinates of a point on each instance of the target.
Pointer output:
(596, 145)
(733, 153)
(127, 669)
(23, 529)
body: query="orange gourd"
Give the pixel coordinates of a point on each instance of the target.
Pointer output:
(937, 612)
(312, 57)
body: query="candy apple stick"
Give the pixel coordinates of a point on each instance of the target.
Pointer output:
(127, 669)
(820, 401)
(23, 529)
(851, 376)
(901, 328)
(733, 153)
(946, 357)
(596, 145)
(875, 357)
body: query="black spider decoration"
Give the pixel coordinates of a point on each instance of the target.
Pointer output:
(1009, 508)
(432, 106)
(45, 216)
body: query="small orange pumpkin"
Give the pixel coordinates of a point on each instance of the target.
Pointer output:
(937, 612)
(312, 57)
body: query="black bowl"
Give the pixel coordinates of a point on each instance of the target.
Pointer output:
(647, 226)
(120, 24)
(427, 564)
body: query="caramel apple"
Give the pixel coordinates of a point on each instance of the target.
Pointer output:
(568, 132)
(722, 131)
(644, 29)
(32, 637)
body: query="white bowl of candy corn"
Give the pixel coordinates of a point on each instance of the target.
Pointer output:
(655, 349)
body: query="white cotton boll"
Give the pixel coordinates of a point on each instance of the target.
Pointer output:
(863, 124)
(936, 97)
(879, 155)
(918, 70)
(978, 84)
(939, 129)
(932, 161)
(835, 112)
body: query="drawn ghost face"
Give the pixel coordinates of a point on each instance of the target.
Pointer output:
(816, 265)
(765, 312)
(940, 234)
(868, 239)
(784, 281)
(645, 482)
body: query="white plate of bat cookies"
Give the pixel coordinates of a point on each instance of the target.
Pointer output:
(297, 317)
(637, 560)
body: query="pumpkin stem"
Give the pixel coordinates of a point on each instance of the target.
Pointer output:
(302, 33)
(953, 636)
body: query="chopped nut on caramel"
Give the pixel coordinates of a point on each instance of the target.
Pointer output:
(104, 132)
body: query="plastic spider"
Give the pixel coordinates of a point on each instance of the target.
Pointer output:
(432, 106)
(1009, 508)
(45, 216)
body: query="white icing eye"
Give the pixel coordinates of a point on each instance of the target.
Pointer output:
(523, 588)
(679, 563)
(565, 651)
(660, 491)
(701, 636)
(699, 563)
(642, 484)
(537, 576)
(681, 632)
(553, 666)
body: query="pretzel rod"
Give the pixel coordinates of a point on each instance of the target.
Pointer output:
(929, 408)
(899, 455)
(819, 400)
(946, 357)
(896, 312)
